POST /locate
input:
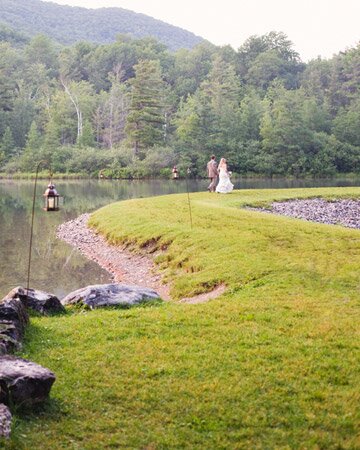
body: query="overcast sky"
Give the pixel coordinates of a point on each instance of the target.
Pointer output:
(316, 27)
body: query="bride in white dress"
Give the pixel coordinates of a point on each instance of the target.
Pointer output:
(225, 185)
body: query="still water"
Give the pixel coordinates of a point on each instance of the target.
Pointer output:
(58, 268)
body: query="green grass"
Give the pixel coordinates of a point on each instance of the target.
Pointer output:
(272, 363)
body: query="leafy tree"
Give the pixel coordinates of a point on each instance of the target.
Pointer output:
(82, 99)
(15, 38)
(75, 61)
(21, 116)
(286, 140)
(265, 68)
(344, 79)
(9, 59)
(315, 79)
(111, 114)
(250, 115)
(346, 125)
(334, 156)
(87, 138)
(191, 68)
(187, 122)
(117, 59)
(41, 50)
(261, 59)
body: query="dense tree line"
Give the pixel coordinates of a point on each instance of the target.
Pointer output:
(132, 108)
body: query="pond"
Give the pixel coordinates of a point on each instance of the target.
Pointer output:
(55, 266)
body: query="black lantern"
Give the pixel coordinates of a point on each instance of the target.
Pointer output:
(51, 198)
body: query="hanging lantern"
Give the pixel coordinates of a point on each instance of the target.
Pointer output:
(51, 198)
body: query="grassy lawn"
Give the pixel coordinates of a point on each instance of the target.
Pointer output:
(271, 364)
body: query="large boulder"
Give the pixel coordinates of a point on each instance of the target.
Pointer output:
(5, 421)
(22, 382)
(39, 301)
(101, 295)
(13, 320)
(10, 337)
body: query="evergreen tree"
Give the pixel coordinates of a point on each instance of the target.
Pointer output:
(51, 139)
(22, 116)
(145, 121)
(7, 146)
(32, 152)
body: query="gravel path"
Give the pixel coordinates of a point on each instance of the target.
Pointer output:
(123, 265)
(339, 212)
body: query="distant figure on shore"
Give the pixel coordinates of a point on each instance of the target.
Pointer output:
(175, 173)
(212, 170)
(225, 185)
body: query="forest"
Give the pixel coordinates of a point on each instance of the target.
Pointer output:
(70, 24)
(133, 108)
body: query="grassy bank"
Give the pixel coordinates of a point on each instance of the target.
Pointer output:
(273, 363)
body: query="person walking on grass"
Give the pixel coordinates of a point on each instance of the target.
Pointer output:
(212, 171)
(225, 185)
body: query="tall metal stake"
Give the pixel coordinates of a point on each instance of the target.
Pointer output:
(32, 224)
(188, 172)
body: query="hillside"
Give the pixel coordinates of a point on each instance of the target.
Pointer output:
(67, 24)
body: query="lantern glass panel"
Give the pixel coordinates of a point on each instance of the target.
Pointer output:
(51, 202)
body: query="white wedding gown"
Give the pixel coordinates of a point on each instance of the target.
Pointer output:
(225, 185)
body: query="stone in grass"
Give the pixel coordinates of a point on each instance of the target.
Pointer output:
(5, 421)
(22, 382)
(10, 337)
(13, 320)
(39, 301)
(101, 295)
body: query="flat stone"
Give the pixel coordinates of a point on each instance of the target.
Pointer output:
(5, 421)
(117, 294)
(42, 302)
(22, 382)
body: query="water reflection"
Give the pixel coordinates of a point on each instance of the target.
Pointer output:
(58, 268)
(55, 266)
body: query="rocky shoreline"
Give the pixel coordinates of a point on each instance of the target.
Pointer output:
(123, 265)
(340, 212)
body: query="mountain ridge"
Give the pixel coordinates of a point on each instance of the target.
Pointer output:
(70, 24)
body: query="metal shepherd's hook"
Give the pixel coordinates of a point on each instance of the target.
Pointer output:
(188, 172)
(32, 217)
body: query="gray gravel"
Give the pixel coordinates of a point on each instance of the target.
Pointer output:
(339, 212)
